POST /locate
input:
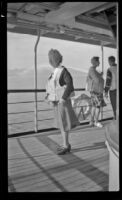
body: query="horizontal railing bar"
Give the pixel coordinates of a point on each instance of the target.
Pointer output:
(80, 89)
(14, 113)
(20, 102)
(28, 111)
(20, 122)
(45, 110)
(24, 102)
(29, 121)
(45, 119)
(25, 91)
(30, 102)
(33, 90)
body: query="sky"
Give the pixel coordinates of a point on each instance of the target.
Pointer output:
(20, 53)
(20, 60)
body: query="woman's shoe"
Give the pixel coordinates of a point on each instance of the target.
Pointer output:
(64, 150)
(69, 147)
(98, 124)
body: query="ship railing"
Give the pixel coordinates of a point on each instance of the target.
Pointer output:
(41, 128)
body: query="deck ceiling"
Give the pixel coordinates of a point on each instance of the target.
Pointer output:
(87, 22)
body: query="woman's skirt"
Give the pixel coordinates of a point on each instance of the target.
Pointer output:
(97, 100)
(64, 116)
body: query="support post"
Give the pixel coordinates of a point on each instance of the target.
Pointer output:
(35, 82)
(103, 72)
(117, 100)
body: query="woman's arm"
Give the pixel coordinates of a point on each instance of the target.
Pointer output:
(94, 75)
(66, 79)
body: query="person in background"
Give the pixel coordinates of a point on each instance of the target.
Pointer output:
(96, 88)
(111, 83)
(65, 118)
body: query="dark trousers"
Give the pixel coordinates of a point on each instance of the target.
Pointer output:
(113, 100)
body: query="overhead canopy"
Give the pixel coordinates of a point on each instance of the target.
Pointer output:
(85, 22)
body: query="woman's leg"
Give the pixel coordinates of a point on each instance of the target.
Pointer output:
(97, 113)
(66, 146)
(63, 125)
(65, 136)
(92, 114)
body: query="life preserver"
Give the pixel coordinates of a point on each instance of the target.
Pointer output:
(82, 106)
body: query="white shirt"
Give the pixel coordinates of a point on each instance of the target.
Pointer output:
(56, 70)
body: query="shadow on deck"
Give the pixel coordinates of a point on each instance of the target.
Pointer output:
(33, 165)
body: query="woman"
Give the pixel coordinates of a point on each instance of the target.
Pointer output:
(96, 88)
(65, 118)
(111, 83)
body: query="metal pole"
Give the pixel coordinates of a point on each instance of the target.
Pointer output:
(103, 72)
(102, 58)
(117, 100)
(35, 76)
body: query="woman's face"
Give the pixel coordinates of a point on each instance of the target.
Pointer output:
(95, 62)
(52, 63)
(111, 62)
(55, 58)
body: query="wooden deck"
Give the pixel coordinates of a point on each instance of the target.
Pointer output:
(33, 165)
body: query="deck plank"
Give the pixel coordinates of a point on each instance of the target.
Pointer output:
(33, 165)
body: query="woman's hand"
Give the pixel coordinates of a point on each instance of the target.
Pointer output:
(101, 73)
(106, 95)
(46, 96)
(61, 100)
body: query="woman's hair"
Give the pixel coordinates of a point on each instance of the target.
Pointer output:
(95, 58)
(111, 58)
(55, 57)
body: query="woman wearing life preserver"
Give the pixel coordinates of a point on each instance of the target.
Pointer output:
(64, 116)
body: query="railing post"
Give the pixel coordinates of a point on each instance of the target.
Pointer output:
(103, 72)
(117, 96)
(36, 109)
